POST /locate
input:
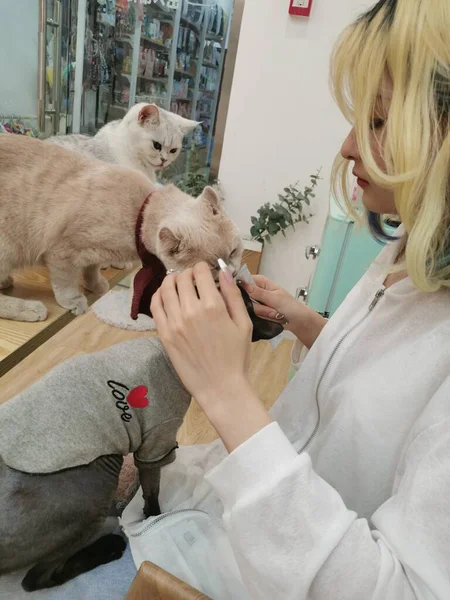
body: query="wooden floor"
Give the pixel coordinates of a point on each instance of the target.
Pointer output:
(17, 339)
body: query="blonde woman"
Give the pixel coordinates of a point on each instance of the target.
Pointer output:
(344, 490)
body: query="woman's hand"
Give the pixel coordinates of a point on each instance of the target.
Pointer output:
(207, 335)
(278, 305)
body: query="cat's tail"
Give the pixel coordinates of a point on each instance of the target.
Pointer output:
(17, 309)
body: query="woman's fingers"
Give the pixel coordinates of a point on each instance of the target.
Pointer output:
(158, 312)
(234, 303)
(186, 291)
(265, 283)
(259, 294)
(206, 286)
(170, 299)
(267, 313)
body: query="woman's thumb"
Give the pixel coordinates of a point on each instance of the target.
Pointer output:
(259, 294)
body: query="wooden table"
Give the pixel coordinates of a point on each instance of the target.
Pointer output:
(86, 333)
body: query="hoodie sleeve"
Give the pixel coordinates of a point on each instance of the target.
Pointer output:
(294, 537)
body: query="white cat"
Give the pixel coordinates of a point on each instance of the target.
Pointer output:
(148, 138)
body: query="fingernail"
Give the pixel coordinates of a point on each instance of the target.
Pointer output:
(272, 314)
(279, 316)
(225, 270)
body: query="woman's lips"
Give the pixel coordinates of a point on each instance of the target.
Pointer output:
(362, 182)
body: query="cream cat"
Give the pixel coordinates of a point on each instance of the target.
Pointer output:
(73, 214)
(148, 138)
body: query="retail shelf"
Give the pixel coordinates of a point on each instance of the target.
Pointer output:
(190, 24)
(162, 47)
(164, 80)
(185, 73)
(214, 38)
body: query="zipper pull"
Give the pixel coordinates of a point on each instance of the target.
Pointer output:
(378, 295)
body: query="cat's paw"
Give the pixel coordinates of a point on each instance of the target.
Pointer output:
(31, 311)
(98, 287)
(73, 301)
(6, 283)
(79, 306)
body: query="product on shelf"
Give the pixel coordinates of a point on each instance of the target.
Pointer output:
(212, 53)
(181, 89)
(208, 79)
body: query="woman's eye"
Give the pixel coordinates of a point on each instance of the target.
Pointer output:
(157, 146)
(377, 124)
(174, 150)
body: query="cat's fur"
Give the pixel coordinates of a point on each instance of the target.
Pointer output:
(73, 214)
(131, 141)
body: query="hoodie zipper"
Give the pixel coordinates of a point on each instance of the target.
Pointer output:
(379, 294)
(162, 517)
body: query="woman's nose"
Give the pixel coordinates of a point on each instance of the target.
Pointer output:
(349, 149)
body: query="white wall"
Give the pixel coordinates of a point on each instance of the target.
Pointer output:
(282, 122)
(19, 61)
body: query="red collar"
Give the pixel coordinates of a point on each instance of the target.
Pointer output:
(142, 251)
(149, 278)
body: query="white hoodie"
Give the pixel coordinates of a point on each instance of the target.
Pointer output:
(364, 512)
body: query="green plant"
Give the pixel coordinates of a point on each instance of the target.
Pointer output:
(193, 182)
(273, 218)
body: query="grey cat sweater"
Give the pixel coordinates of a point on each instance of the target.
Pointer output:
(125, 399)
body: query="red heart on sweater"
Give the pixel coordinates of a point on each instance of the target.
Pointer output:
(137, 398)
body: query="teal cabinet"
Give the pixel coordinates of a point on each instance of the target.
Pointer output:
(347, 250)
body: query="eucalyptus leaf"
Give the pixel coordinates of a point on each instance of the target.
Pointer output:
(278, 216)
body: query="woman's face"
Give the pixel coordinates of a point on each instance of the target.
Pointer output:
(375, 198)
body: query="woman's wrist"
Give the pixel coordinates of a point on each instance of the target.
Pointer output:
(235, 411)
(306, 325)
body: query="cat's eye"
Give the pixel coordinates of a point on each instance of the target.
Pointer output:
(157, 146)
(233, 253)
(174, 151)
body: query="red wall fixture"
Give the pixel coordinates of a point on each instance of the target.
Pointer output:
(300, 8)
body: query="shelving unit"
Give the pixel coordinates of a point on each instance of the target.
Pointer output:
(193, 65)
(171, 57)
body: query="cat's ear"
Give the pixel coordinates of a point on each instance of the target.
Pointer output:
(186, 125)
(169, 240)
(210, 199)
(149, 115)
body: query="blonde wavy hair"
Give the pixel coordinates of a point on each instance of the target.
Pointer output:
(405, 42)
